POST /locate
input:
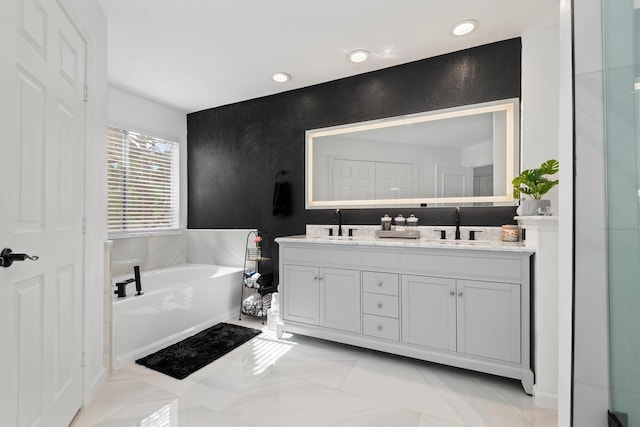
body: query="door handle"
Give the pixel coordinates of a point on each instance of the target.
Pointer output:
(7, 257)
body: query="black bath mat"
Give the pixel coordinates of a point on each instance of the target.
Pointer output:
(187, 356)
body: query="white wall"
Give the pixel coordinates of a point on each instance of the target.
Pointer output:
(539, 107)
(477, 155)
(565, 208)
(132, 112)
(547, 132)
(591, 347)
(88, 17)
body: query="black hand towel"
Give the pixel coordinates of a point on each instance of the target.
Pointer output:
(282, 199)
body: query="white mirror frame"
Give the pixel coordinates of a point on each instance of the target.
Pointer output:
(511, 157)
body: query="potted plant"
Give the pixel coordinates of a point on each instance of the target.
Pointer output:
(536, 183)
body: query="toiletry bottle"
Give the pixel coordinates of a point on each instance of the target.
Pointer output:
(385, 222)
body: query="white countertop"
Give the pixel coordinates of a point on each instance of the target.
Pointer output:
(482, 245)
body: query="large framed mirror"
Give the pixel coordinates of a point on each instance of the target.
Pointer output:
(464, 156)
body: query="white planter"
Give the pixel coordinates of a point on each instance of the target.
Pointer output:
(529, 207)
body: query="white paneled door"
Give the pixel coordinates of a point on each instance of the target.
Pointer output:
(368, 180)
(42, 81)
(395, 180)
(454, 181)
(352, 179)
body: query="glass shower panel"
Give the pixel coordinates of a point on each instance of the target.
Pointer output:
(622, 127)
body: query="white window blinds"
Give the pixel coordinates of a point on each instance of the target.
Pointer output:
(143, 183)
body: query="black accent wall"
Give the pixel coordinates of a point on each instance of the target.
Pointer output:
(235, 151)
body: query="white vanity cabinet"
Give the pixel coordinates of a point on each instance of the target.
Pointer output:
(429, 311)
(467, 316)
(380, 305)
(329, 297)
(340, 299)
(488, 321)
(464, 306)
(302, 302)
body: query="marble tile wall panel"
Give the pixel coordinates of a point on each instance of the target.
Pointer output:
(221, 247)
(149, 252)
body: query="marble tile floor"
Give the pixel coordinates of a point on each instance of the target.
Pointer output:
(301, 381)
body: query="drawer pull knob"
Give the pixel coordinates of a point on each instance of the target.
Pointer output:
(379, 305)
(379, 327)
(379, 282)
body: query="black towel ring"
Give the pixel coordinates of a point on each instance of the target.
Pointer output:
(284, 174)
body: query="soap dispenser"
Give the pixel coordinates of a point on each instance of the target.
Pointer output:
(385, 222)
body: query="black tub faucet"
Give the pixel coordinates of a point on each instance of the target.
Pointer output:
(121, 290)
(458, 223)
(136, 276)
(338, 217)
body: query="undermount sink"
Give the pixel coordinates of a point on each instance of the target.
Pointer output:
(458, 242)
(337, 237)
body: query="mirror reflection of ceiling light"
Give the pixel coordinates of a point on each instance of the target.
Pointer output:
(358, 56)
(281, 77)
(464, 27)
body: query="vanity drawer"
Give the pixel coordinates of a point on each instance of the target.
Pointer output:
(380, 327)
(380, 283)
(380, 305)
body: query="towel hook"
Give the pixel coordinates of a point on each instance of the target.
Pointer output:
(284, 174)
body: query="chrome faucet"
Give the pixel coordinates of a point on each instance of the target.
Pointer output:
(338, 216)
(457, 223)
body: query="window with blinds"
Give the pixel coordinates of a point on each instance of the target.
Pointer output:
(142, 183)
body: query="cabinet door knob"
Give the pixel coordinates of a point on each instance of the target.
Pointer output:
(320, 278)
(379, 282)
(315, 277)
(452, 293)
(379, 327)
(460, 293)
(379, 305)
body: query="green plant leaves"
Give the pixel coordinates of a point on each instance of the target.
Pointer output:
(550, 167)
(534, 182)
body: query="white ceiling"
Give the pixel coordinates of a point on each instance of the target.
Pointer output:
(198, 54)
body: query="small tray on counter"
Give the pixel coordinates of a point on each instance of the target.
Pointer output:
(398, 234)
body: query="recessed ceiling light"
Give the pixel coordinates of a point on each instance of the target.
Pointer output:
(281, 77)
(358, 56)
(464, 27)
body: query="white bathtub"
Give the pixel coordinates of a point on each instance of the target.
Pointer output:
(178, 301)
